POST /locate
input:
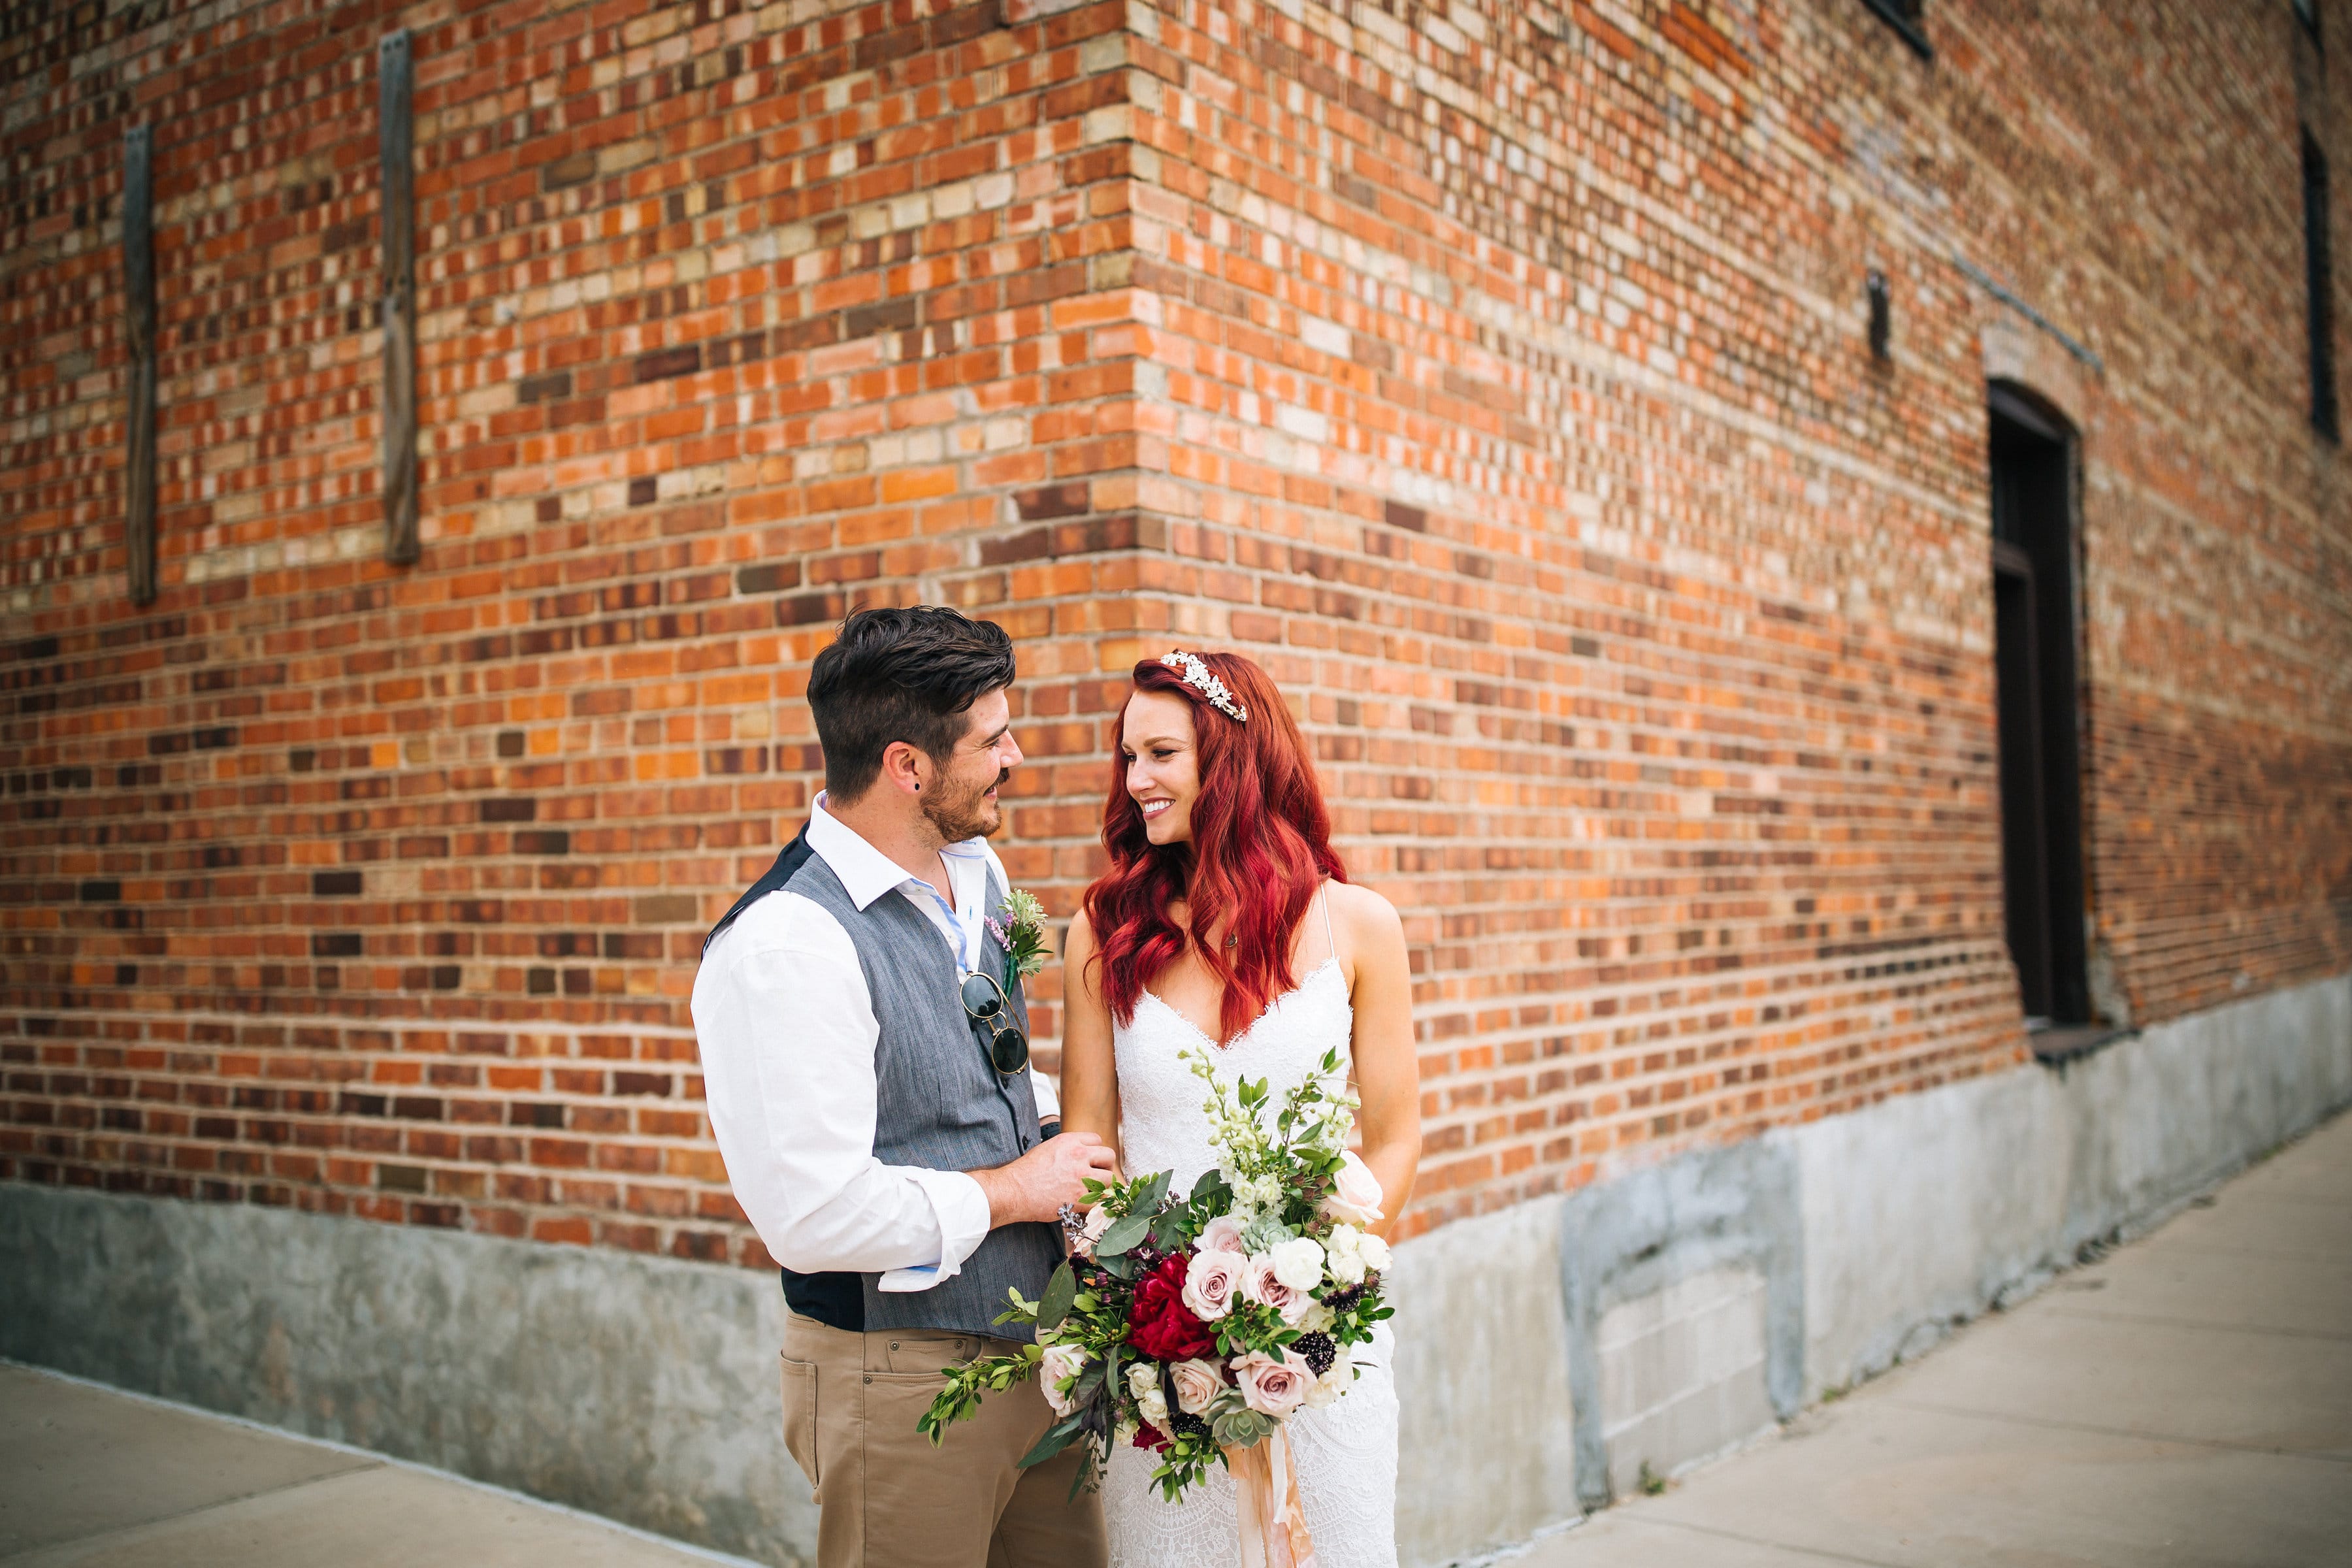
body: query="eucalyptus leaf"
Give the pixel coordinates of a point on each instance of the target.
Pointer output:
(1121, 1269)
(1056, 1438)
(1054, 1305)
(1211, 1195)
(1123, 1234)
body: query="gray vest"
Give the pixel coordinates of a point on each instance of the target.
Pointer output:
(939, 1102)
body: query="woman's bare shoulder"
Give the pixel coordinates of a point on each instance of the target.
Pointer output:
(1367, 916)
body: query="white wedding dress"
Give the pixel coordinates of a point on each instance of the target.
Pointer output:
(1347, 1452)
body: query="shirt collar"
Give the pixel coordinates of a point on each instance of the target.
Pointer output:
(865, 872)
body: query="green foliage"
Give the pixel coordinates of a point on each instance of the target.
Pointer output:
(1061, 1294)
(968, 1383)
(1025, 949)
(1056, 1438)
(1279, 1158)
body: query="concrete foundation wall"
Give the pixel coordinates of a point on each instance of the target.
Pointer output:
(1924, 1211)
(1482, 1377)
(1546, 1353)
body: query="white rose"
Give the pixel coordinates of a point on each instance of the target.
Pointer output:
(1142, 1378)
(1059, 1366)
(1316, 1319)
(1154, 1406)
(1274, 1387)
(1223, 1234)
(1347, 1267)
(1355, 1192)
(1260, 1284)
(1330, 1385)
(1375, 1254)
(1197, 1384)
(1209, 1279)
(1300, 1264)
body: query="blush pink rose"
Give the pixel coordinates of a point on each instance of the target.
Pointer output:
(1059, 1365)
(1263, 1285)
(1097, 1221)
(1197, 1384)
(1210, 1280)
(1355, 1192)
(1274, 1387)
(1223, 1234)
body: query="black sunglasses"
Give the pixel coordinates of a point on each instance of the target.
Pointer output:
(984, 1004)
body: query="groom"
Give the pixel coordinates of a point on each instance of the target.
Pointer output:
(882, 1140)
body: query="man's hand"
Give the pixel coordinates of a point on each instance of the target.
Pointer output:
(1036, 1185)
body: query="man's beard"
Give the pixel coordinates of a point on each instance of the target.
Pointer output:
(971, 816)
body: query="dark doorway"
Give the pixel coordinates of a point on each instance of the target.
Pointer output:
(2034, 654)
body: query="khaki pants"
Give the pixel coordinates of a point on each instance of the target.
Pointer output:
(886, 1498)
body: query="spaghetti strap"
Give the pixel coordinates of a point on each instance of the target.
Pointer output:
(1330, 940)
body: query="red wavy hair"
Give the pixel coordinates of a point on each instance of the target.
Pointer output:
(1261, 847)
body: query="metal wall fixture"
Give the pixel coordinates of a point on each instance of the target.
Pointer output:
(397, 81)
(138, 296)
(1881, 323)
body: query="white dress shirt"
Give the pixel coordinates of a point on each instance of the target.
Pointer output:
(787, 1035)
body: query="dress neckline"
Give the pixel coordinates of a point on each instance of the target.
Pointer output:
(1202, 1035)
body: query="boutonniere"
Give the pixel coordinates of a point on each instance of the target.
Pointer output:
(1020, 927)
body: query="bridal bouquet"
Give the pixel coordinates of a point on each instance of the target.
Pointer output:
(1195, 1325)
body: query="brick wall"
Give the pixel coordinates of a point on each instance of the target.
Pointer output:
(1493, 373)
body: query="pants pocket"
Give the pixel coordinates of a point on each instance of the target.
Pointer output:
(800, 1416)
(928, 1354)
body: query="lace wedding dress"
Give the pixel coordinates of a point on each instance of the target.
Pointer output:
(1345, 1452)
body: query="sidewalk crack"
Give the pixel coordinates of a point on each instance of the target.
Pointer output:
(2324, 1457)
(184, 1515)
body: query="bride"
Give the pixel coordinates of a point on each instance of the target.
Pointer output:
(1226, 921)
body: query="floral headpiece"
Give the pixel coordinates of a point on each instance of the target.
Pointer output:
(1198, 677)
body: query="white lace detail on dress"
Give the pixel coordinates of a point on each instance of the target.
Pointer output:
(1347, 1453)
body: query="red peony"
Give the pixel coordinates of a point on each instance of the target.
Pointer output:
(1159, 1323)
(1147, 1436)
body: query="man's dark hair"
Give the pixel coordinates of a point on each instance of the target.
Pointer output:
(900, 675)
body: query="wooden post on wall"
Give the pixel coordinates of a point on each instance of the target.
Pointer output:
(139, 292)
(396, 78)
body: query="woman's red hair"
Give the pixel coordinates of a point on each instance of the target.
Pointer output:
(1261, 847)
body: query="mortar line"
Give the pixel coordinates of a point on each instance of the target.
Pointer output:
(2050, 1424)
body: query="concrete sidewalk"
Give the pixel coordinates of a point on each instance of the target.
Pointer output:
(101, 1480)
(2186, 1400)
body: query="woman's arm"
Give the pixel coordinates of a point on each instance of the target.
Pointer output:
(1090, 1069)
(1388, 1064)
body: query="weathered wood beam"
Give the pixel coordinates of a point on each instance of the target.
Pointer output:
(395, 80)
(138, 295)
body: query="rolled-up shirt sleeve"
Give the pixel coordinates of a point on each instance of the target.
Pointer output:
(787, 1035)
